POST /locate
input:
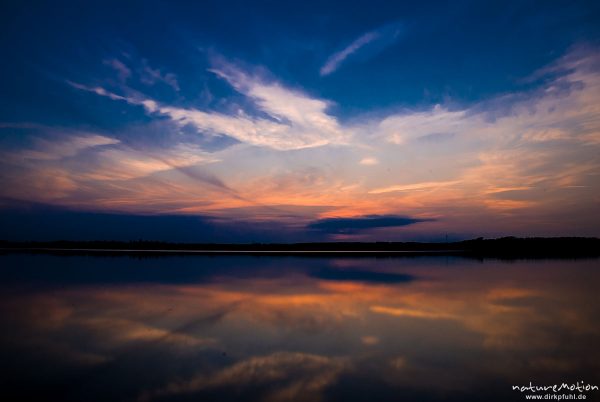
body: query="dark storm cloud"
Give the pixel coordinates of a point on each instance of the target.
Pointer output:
(39, 222)
(353, 225)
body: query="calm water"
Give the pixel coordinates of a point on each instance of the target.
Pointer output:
(294, 329)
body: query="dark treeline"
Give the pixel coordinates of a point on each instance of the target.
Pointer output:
(506, 247)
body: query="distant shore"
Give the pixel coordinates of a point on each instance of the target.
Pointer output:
(506, 247)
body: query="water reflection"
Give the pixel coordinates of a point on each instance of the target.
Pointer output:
(284, 328)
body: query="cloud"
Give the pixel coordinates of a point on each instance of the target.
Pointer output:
(99, 91)
(22, 221)
(122, 70)
(88, 169)
(334, 61)
(126, 162)
(67, 146)
(357, 224)
(400, 128)
(296, 120)
(279, 102)
(451, 161)
(386, 35)
(369, 161)
(108, 158)
(151, 76)
(413, 187)
(304, 116)
(147, 74)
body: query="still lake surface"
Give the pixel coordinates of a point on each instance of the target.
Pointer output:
(282, 328)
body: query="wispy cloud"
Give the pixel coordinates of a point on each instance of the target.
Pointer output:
(297, 120)
(403, 127)
(67, 146)
(122, 70)
(387, 35)
(413, 187)
(369, 161)
(100, 91)
(530, 153)
(150, 76)
(91, 169)
(336, 59)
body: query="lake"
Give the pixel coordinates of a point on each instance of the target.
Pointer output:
(285, 328)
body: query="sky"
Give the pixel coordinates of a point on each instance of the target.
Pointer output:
(299, 121)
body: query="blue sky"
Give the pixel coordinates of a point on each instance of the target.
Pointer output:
(437, 115)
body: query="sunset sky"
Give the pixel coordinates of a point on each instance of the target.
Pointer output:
(299, 121)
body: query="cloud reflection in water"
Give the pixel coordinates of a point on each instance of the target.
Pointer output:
(296, 329)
